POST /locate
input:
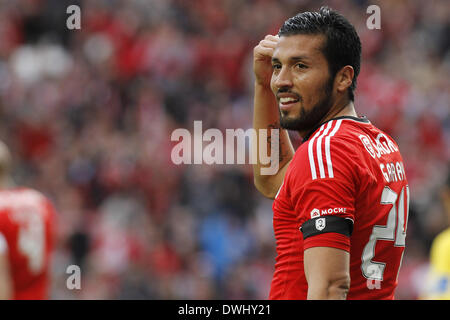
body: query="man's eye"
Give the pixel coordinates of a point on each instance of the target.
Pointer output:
(276, 66)
(301, 66)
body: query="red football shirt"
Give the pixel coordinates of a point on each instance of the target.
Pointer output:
(26, 223)
(344, 188)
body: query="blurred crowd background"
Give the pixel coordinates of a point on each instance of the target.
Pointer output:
(88, 115)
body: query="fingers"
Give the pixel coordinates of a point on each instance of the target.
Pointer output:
(266, 47)
(269, 41)
(261, 52)
(262, 55)
(272, 37)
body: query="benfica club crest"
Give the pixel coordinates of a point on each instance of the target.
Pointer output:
(320, 224)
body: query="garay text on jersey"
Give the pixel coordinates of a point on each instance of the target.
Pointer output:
(393, 172)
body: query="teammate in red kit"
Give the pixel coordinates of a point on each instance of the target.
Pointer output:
(341, 199)
(26, 226)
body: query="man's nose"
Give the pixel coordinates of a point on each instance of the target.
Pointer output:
(283, 78)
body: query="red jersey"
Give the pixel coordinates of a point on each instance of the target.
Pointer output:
(344, 188)
(26, 222)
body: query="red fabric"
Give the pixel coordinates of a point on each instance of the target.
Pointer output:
(338, 172)
(332, 239)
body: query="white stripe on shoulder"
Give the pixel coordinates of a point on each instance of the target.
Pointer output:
(319, 148)
(311, 154)
(327, 148)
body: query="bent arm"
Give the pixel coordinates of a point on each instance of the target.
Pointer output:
(268, 172)
(266, 117)
(327, 272)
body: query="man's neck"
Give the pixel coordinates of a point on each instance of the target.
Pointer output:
(345, 109)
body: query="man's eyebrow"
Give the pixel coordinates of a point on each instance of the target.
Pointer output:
(300, 58)
(293, 59)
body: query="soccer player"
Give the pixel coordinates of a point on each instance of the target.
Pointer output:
(341, 199)
(26, 226)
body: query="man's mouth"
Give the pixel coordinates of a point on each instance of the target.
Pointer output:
(288, 100)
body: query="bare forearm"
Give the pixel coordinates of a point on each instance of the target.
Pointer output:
(327, 273)
(266, 117)
(333, 291)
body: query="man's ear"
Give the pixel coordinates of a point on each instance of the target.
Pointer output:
(344, 78)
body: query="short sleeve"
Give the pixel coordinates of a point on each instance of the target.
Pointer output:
(325, 202)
